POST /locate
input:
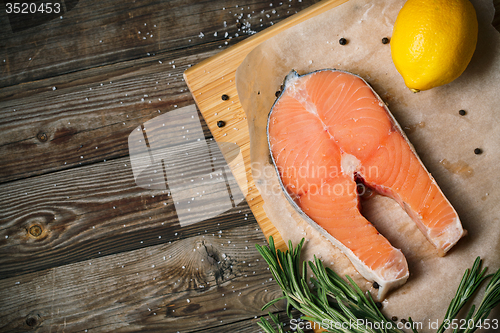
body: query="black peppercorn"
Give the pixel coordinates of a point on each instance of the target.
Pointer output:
(385, 40)
(478, 151)
(379, 305)
(342, 41)
(238, 25)
(462, 112)
(221, 123)
(224, 97)
(375, 285)
(277, 94)
(394, 318)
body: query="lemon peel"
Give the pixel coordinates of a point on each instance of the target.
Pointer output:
(433, 41)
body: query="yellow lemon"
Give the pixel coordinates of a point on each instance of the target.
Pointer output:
(433, 41)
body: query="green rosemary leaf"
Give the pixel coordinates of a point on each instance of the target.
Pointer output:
(490, 300)
(289, 307)
(266, 325)
(271, 244)
(492, 295)
(412, 325)
(275, 318)
(471, 281)
(270, 303)
(326, 282)
(334, 300)
(341, 284)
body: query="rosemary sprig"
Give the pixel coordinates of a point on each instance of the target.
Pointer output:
(341, 307)
(471, 280)
(268, 328)
(334, 304)
(490, 300)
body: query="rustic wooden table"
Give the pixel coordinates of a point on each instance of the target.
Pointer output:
(83, 248)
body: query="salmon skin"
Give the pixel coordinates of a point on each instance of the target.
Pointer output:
(329, 128)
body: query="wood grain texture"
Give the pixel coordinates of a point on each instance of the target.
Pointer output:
(99, 33)
(59, 115)
(86, 80)
(53, 130)
(96, 210)
(195, 284)
(70, 213)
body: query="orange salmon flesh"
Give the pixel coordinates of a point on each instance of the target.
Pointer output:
(328, 128)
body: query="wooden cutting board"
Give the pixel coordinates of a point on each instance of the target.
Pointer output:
(214, 77)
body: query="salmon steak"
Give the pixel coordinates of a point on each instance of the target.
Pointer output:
(329, 129)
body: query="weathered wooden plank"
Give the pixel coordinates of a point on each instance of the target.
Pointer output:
(97, 33)
(97, 210)
(46, 130)
(194, 284)
(251, 326)
(57, 120)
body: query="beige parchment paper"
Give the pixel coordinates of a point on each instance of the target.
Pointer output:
(444, 140)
